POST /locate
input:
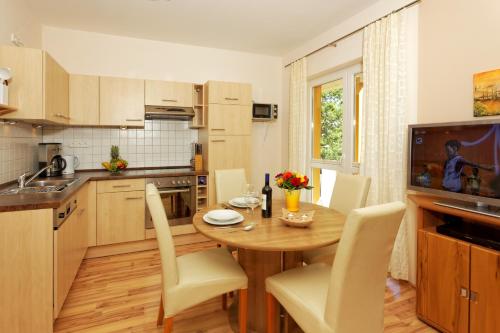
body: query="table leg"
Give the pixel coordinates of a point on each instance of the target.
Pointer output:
(258, 265)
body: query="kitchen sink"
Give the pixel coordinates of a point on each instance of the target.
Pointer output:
(41, 186)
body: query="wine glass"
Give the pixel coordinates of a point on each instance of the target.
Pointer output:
(252, 197)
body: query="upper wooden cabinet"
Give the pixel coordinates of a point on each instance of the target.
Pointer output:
(229, 93)
(229, 119)
(121, 102)
(39, 88)
(84, 100)
(164, 93)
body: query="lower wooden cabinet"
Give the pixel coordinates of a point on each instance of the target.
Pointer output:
(484, 290)
(120, 217)
(70, 246)
(458, 285)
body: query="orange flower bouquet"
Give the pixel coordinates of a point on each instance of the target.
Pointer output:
(292, 183)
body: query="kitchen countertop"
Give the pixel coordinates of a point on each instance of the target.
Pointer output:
(30, 201)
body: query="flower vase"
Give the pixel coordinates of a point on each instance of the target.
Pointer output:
(292, 200)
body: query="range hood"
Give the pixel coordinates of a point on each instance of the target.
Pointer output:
(166, 112)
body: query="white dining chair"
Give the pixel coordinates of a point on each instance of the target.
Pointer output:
(229, 183)
(193, 278)
(350, 192)
(348, 297)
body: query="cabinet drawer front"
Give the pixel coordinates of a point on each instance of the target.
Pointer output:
(164, 93)
(121, 185)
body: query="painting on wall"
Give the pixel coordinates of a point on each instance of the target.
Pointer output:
(487, 93)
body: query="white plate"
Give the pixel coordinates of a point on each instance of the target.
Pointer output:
(237, 203)
(223, 214)
(219, 223)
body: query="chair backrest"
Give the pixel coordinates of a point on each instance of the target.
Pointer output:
(350, 192)
(355, 300)
(229, 184)
(169, 271)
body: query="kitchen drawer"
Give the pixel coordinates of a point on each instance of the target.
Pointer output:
(121, 185)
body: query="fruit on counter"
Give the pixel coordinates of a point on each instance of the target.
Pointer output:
(116, 164)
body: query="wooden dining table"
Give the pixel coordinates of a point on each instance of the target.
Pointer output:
(271, 247)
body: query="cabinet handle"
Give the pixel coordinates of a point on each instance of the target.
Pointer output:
(218, 129)
(221, 140)
(118, 186)
(60, 115)
(134, 198)
(464, 293)
(138, 119)
(473, 296)
(169, 100)
(231, 99)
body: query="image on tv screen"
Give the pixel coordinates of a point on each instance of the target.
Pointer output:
(460, 159)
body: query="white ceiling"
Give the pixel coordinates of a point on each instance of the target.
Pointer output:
(262, 26)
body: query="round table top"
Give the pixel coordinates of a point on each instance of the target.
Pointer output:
(271, 234)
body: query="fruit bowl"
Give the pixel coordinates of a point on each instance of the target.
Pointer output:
(115, 166)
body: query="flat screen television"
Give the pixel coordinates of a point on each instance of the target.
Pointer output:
(457, 161)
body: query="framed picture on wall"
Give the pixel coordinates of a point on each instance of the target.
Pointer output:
(487, 93)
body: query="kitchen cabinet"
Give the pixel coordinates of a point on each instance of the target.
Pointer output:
(84, 100)
(229, 119)
(26, 266)
(166, 93)
(229, 93)
(120, 211)
(39, 89)
(121, 102)
(70, 245)
(227, 152)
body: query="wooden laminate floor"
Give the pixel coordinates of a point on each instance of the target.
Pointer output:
(121, 294)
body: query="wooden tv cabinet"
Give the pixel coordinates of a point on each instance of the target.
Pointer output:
(458, 283)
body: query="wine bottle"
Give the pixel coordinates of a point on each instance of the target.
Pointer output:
(267, 199)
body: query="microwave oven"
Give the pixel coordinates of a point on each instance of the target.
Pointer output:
(264, 112)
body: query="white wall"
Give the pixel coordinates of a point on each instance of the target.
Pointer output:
(15, 17)
(457, 39)
(100, 54)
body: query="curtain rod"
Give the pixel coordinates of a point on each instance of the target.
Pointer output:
(411, 4)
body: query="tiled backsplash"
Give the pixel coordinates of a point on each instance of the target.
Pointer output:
(18, 150)
(160, 143)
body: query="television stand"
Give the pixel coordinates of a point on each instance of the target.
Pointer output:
(479, 207)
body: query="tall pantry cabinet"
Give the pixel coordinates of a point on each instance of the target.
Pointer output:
(227, 137)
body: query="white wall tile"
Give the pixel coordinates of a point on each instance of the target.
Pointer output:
(160, 143)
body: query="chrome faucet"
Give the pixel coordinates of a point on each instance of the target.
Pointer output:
(21, 180)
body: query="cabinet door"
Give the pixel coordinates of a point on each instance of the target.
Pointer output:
(229, 119)
(66, 259)
(443, 275)
(26, 85)
(84, 100)
(120, 217)
(56, 91)
(227, 152)
(485, 290)
(165, 93)
(121, 102)
(229, 93)
(82, 213)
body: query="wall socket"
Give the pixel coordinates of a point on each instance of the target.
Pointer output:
(16, 40)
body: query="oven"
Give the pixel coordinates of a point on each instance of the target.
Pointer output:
(178, 194)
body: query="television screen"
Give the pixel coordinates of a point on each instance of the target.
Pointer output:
(457, 158)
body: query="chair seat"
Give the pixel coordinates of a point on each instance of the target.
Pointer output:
(323, 254)
(303, 292)
(202, 276)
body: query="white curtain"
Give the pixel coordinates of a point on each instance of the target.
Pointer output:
(297, 140)
(385, 122)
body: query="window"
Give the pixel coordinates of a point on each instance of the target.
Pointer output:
(334, 133)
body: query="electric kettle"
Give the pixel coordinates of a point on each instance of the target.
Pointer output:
(72, 163)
